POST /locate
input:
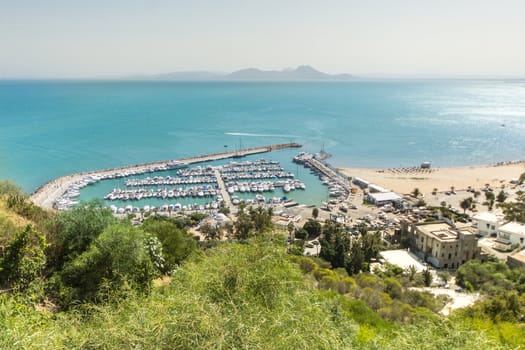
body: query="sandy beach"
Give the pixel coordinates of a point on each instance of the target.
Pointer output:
(404, 180)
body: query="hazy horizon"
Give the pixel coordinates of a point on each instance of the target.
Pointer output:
(379, 38)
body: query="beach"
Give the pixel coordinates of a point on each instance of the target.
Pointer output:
(404, 180)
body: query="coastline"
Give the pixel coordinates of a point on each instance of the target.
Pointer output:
(404, 180)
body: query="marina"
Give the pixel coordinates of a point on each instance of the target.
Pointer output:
(204, 183)
(64, 192)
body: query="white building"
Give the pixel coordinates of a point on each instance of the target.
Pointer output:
(487, 223)
(383, 198)
(512, 232)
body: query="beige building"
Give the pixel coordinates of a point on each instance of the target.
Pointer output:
(516, 259)
(443, 245)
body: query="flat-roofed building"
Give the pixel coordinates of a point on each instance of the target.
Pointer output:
(360, 182)
(512, 232)
(377, 189)
(443, 245)
(384, 198)
(487, 223)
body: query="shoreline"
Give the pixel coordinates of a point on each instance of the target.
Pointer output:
(400, 180)
(404, 180)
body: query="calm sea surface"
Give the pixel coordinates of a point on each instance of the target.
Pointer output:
(53, 128)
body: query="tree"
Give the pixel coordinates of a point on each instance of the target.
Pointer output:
(177, 243)
(356, 258)
(23, 259)
(515, 211)
(117, 259)
(501, 197)
(291, 229)
(243, 225)
(335, 244)
(427, 277)
(71, 232)
(315, 213)
(466, 204)
(211, 232)
(416, 192)
(489, 195)
(445, 276)
(371, 245)
(261, 220)
(313, 228)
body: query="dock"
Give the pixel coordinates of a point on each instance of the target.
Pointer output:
(46, 195)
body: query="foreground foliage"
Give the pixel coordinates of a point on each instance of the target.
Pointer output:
(87, 280)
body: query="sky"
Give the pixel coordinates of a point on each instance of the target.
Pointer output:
(112, 38)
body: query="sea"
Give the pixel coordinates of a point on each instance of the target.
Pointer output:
(53, 128)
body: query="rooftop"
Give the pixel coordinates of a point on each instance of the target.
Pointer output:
(520, 256)
(385, 196)
(441, 230)
(487, 216)
(402, 258)
(513, 227)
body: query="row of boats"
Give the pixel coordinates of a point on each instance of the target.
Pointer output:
(129, 209)
(169, 180)
(70, 197)
(338, 186)
(163, 193)
(266, 176)
(265, 186)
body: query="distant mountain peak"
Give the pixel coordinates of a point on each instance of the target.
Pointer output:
(302, 72)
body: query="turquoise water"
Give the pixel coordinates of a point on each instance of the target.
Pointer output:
(52, 128)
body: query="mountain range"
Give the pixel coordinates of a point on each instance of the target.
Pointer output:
(301, 73)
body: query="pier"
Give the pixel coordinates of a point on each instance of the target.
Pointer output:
(47, 195)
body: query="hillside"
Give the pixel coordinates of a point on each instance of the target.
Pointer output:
(84, 279)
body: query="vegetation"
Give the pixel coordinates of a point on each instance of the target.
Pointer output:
(88, 280)
(515, 211)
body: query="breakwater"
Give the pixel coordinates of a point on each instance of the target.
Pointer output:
(47, 195)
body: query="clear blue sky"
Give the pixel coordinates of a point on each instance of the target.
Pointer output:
(73, 38)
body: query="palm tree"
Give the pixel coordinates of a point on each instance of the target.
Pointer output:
(466, 204)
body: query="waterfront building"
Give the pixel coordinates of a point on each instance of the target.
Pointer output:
(443, 245)
(363, 184)
(384, 198)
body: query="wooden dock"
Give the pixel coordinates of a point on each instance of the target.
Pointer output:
(47, 194)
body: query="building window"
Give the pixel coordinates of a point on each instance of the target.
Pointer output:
(449, 255)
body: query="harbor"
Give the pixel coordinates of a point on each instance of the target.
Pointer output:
(64, 191)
